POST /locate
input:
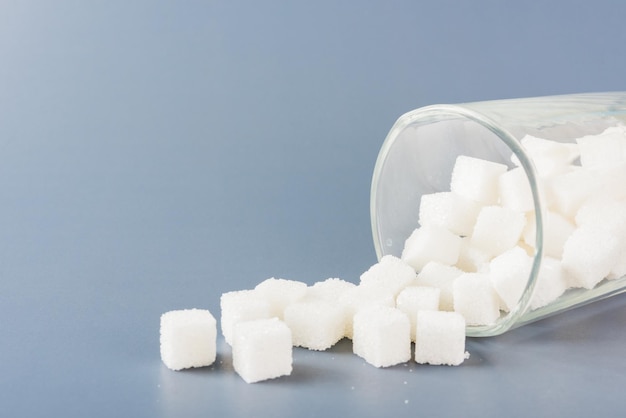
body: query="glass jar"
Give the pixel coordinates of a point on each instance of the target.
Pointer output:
(420, 151)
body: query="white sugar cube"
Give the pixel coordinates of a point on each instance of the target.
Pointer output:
(471, 258)
(549, 157)
(188, 338)
(609, 214)
(390, 273)
(476, 179)
(431, 243)
(329, 290)
(382, 336)
(556, 230)
(316, 325)
(551, 283)
(509, 275)
(589, 255)
(619, 268)
(448, 210)
(360, 297)
(603, 212)
(442, 277)
(611, 182)
(262, 349)
(416, 298)
(514, 191)
(475, 299)
(440, 338)
(568, 191)
(602, 150)
(497, 229)
(242, 305)
(280, 293)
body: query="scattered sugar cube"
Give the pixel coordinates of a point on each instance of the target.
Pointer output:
(589, 255)
(280, 293)
(262, 349)
(514, 191)
(475, 299)
(509, 275)
(476, 179)
(242, 305)
(415, 298)
(556, 230)
(497, 229)
(390, 273)
(431, 243)
(329, 290)
(551, 283)
(360, 297)
(440, 338)
(315, 325)
(188, 338)
(382, 336)
(442, 277)
(448, 210)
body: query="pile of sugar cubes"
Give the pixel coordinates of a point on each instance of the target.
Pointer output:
(382, 315)
(467, 263)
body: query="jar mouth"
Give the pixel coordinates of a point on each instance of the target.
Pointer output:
(417, 157)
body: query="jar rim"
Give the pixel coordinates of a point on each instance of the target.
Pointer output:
(440, 113)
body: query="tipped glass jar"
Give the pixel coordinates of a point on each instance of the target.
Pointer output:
(475, 188)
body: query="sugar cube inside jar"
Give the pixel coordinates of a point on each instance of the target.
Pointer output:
(525, 198)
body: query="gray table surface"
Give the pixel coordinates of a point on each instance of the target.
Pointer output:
(154, 155)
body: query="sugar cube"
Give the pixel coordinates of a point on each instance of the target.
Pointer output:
(611, 181)
(360, 297)
(497, 229)
(241, 305)
(188, 338)
(316, 325)
(431, 243)
(550, 283)
(442, 277)
(390, 273)
(329, 290)
(589, 255)
(514, 190)
(549, 157)
(416, 298)
(476, 179)
(471, 258)
(604, 212)
(440, 338)
(619, 268)
(280, 293)
(448, 210)
(556, 230)
(602, 150)
(568, 191)
(475, 299)
(262, 349)
(509, 274)
(382, 336)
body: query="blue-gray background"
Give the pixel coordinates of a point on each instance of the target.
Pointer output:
(156, 154)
